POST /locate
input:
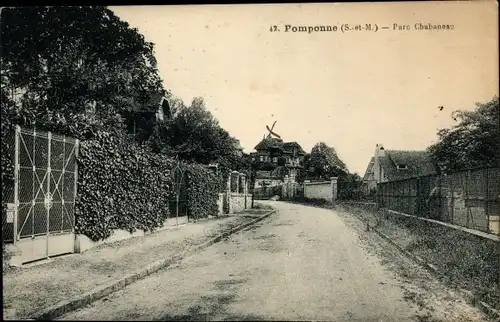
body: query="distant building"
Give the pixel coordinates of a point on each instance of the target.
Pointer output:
(239, 148)
(157, 107)
(139, 118)
(392, 165)
(281, 158)
(268, 178)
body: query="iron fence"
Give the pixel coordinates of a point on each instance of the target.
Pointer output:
(8, 193)
(41, 199)
(178, 204)
(467, 198)
(263, 193)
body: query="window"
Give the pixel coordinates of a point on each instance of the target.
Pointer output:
(275, 159)
(402, 166)
(261, 158)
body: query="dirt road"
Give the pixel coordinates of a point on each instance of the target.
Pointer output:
(302, 263)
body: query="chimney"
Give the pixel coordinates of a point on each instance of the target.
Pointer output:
(379, 150)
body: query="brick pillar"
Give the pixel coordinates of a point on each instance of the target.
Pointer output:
(237, 182)
(229, 203)
(334, 188)
(244, 183)
(285, 186)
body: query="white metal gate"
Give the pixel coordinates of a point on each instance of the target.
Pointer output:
(44, 194)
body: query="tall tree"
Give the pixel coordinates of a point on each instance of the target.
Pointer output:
(75, 69)
(473, 141)
(195, 135)
(323, 162)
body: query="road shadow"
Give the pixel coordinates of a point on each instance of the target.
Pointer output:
(212, 307)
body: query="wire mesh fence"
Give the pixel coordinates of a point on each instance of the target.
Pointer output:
(41, 197)
(467, 198)
(8, 191)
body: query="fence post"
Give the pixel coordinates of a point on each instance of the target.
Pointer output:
(418, 193)
(229, 179)
(465, 195)
(238, 183)
(452, 207)
(77, 153)
(16, 181)
(486, 198)
(48, 195)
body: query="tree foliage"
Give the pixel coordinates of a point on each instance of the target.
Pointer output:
(473, 141)
(349, 187)
(83, 72)
(323, 162)
(75, 70)
(194, 134)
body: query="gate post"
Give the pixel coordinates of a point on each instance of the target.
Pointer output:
(229, 193)
(334, 181)
(48, 202)
(77, 153)
(16, 182)
(238, 183)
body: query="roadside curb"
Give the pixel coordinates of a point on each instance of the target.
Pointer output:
(484, 307)
(85, 299)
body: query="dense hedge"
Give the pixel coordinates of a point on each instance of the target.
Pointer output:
(203, 191)
(121, 186)
(126, 186)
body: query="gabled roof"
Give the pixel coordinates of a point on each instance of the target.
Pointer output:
(419, 163)
(154, 102)
(237, 145)
(275, 143)
(269, 143)
(288, 147)
(369, 169)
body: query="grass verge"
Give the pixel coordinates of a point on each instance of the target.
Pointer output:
(463, 260)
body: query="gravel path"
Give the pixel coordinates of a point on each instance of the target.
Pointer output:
(29, 290)
(303, 263)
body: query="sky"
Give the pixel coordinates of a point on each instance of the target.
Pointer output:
(351, 90)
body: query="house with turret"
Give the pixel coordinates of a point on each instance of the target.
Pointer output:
(274, 159)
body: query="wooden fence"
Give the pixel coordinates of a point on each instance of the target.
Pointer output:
(467, 198)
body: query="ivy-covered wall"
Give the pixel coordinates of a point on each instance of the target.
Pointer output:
(203, 191)
(120, 186)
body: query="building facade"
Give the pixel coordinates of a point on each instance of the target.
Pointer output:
(393, 165)
(274, 159)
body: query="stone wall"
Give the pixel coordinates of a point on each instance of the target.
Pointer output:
(83, 243)
(318, 190)
(238, 202)
(326, 190)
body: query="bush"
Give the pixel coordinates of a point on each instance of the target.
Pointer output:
(120, 186)
(203, 191)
